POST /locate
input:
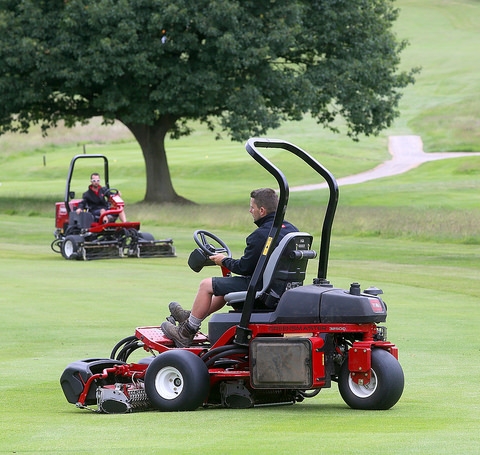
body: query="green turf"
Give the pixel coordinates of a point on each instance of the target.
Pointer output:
(415, 236)
(52, 317)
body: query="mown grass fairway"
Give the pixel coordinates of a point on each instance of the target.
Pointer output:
(415, 236)
(57, 311)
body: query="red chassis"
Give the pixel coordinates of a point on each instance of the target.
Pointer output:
(152, 340)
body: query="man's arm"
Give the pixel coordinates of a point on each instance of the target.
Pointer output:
(246, 264)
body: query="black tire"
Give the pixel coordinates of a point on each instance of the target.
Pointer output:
(70, 246)
(384, 389)
(177, 380)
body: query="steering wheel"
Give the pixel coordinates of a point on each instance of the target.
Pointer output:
(201, 237)
(110, 192)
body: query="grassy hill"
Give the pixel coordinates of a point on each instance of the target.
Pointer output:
(442, 107)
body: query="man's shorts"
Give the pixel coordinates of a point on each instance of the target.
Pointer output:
(223, 285)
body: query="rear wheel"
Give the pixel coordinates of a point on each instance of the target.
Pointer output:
(70, 246)
(177, 380)
(384, 389)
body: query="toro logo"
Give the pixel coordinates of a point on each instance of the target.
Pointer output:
(376, 305)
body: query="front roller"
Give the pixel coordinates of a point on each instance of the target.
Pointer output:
(384, 389)
(144, 245)
(177, 380)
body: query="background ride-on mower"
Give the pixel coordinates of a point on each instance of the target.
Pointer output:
(280, 344)
(81, 236)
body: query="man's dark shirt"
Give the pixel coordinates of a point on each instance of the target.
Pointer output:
(255, 244)
(93, 201)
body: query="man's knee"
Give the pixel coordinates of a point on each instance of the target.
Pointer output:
(206, 286)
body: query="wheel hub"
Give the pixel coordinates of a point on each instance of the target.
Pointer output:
(363, 390)
(169, 383)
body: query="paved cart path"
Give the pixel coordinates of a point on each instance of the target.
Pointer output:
(407, 153)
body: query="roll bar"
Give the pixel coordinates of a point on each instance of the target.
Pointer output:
(70, 174)
(243, 334)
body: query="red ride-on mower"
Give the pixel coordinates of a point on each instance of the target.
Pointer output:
(81, 236)
(280, 344)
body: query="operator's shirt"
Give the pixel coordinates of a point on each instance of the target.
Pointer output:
(93, 200)
(255, 243)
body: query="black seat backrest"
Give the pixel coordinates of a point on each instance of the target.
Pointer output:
(285, 269)
(82, 220)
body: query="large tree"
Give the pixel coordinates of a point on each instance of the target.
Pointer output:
(240, 66)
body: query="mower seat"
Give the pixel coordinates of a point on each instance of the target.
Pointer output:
(285, 269)
(82, 220)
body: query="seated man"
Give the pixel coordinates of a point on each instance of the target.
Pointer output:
(95, 201)
(210, 295)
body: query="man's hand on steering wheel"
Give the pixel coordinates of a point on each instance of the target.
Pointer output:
(110, 192)
(211, 251)
(217, 258)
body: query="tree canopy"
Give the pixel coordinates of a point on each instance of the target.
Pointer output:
(240, 66)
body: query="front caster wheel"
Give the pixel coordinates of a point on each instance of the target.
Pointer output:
(384, 389)
(70, 246)
(177, 380)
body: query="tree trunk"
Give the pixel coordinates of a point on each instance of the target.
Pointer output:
(152, 142)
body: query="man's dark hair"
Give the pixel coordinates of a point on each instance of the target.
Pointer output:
(266, 198)
(94, 173)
